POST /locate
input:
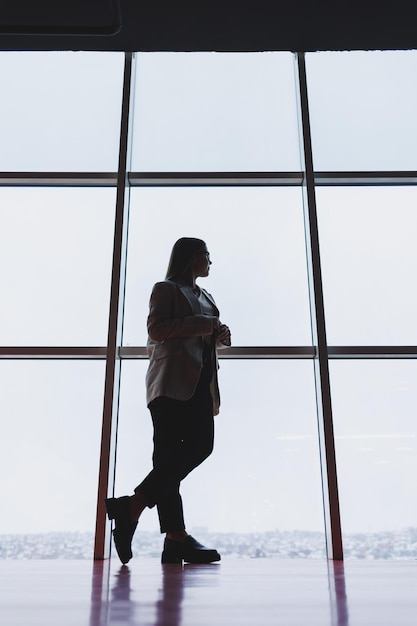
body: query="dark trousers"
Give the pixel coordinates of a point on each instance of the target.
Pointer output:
(183, 438)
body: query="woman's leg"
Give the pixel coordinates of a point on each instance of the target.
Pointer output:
(163, 484)
(183, 438)
(194, 444)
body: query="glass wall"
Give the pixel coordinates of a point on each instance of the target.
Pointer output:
(215, 153)
(362, 108)
(56, 244)
(362, 121)
(59, 115)
(60, 111)
(256, 240)
(259, 493)
(206, 112)
(49, 448)
(376, 434)
(368, 254)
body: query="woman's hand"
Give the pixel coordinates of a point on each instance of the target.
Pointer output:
(223, 334)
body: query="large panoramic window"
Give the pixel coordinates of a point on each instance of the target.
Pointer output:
(213, 150)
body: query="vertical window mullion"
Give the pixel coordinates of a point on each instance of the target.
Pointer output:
(321, 362)
(117, 295)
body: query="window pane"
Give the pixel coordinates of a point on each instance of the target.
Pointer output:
(60, 111)
(49, 452)
(55, 254)
(263, 476)
(215, 112)
(368, 251)
(256, 240)
(375, 427)
(362, 108)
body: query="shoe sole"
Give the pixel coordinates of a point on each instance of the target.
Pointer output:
(168, 558)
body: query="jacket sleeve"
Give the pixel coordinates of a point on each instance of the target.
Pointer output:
(163, 325)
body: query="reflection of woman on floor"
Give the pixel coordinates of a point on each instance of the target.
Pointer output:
(182, 395)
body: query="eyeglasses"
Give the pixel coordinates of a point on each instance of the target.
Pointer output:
(206, 253)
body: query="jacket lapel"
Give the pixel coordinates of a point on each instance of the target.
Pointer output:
(190, 297)
(193, 300)
(210, 299)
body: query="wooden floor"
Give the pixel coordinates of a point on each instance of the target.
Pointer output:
(258, 592)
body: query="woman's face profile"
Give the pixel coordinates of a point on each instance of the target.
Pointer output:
(201, 263)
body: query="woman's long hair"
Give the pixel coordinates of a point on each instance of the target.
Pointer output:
(181, 256)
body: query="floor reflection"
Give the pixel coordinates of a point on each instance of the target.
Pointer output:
(169, 606)
(121, 607)
(338, 596)
(99, 593)
(117, 599)
(124, 596)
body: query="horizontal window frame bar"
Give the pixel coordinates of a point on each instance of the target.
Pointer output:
(372, 352)
(236, 352)
(216, 179)
(239, 352)
(365, 179)
(58, 179)
(53, 352)
(206, 179)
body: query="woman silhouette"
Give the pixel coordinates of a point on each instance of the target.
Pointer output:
(182, 395)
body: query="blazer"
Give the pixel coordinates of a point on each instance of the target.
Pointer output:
(176, 330)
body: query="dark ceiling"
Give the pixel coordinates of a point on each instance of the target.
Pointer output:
(221, 25)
